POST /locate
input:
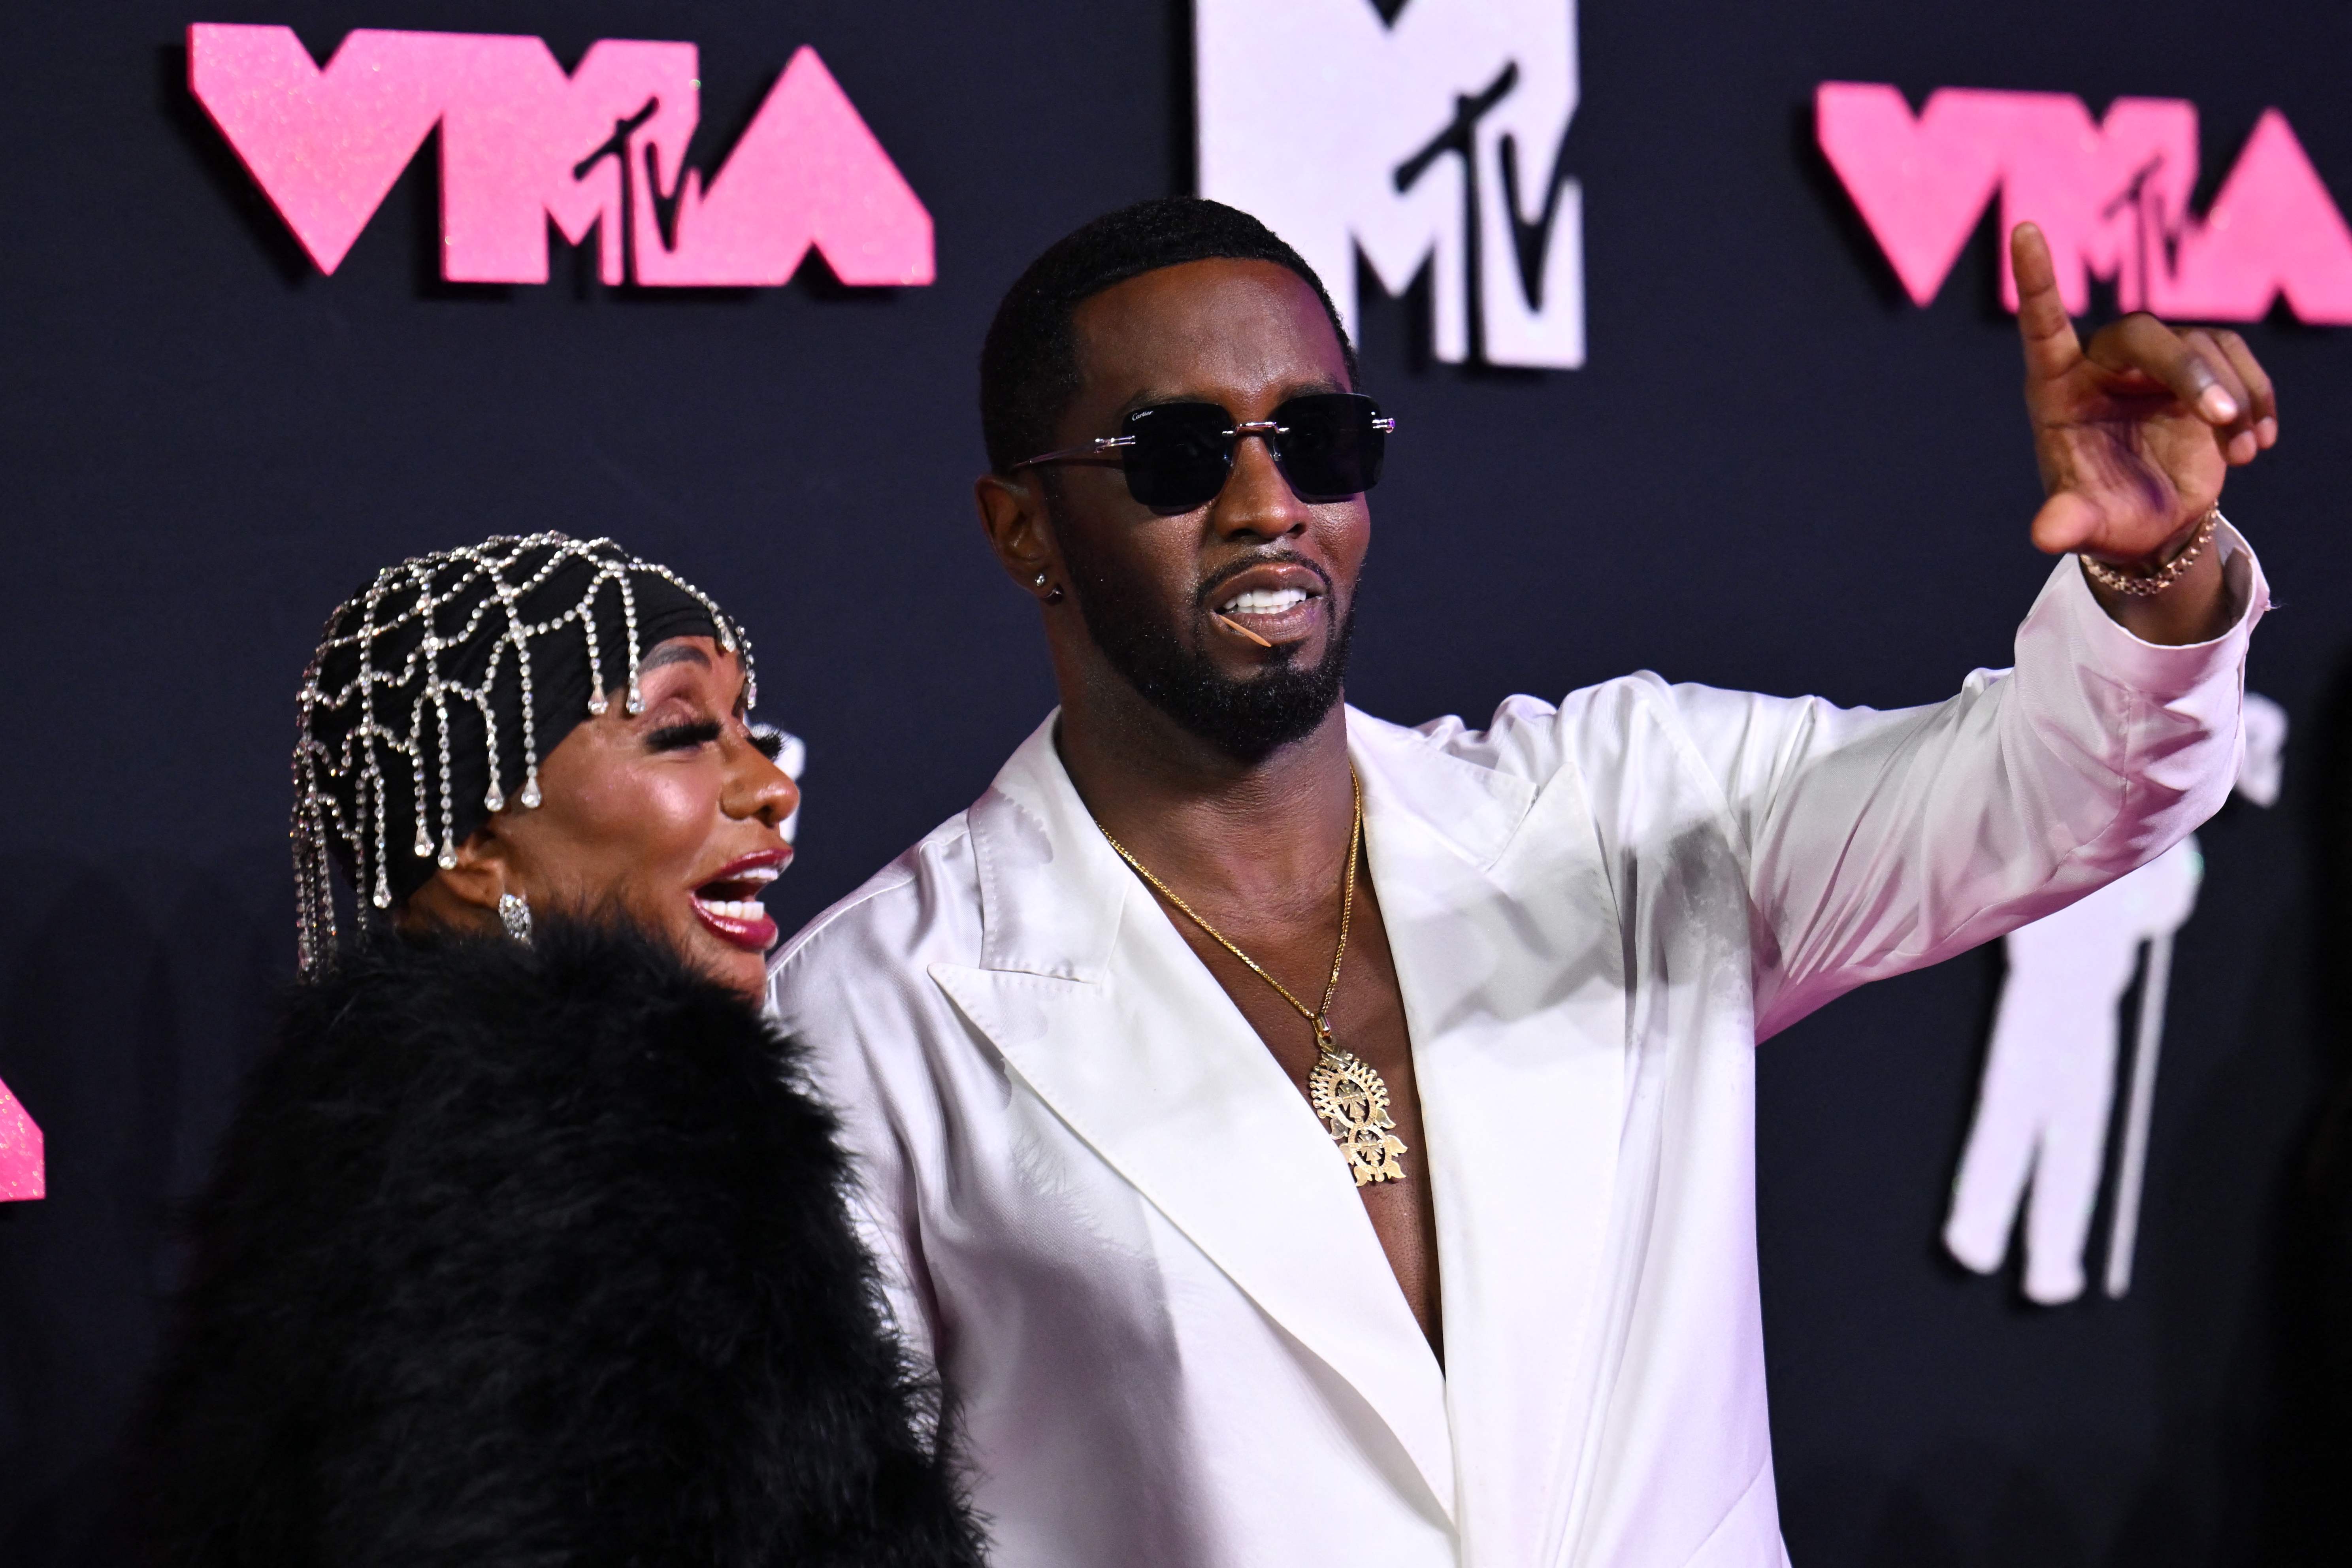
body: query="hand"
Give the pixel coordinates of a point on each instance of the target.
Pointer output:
(2135, 433)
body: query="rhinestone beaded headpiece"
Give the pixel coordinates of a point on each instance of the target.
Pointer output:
(487, 582)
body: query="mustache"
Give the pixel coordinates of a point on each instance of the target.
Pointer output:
(1251, 563)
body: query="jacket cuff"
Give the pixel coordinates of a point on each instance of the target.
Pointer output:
(2159, 669)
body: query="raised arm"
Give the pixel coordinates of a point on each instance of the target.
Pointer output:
(1873, 843)
(1880, 842)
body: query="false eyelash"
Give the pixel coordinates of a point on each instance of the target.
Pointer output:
(768, 740)
(678, 737)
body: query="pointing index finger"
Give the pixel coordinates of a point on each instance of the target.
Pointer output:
(2050, 345)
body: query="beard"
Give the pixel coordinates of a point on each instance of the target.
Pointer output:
(1249, 717)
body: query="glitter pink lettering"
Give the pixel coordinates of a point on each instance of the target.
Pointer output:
(522, 144)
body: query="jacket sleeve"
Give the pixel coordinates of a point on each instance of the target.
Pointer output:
(1873, 843)
(863, 1060)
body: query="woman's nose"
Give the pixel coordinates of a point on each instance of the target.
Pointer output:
(762, 789)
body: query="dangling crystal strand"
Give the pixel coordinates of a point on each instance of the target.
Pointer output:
(492, 790)
(423, 848)
(448, 792)
(596, 703)
(519, 641)
(361, 824)
(636, 655)
(314, 905)
(436, 693)
(494, 799)
(530, 736)
(423, 795)
(383, 898)
(448, 795)
(421, 608)
(371, 789)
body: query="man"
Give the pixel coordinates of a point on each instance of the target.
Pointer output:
(1259, 1206)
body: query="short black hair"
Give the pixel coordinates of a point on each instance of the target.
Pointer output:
(1028, 364)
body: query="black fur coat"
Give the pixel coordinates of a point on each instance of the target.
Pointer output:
(533, 1257)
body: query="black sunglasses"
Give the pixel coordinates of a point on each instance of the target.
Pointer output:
(1178, 455)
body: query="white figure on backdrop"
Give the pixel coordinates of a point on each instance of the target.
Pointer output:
(2048, 1090)
(1295, 1138)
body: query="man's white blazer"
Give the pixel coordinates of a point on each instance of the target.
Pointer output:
(1167, 1330)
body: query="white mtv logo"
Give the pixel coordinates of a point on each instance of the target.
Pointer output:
(1409, 130)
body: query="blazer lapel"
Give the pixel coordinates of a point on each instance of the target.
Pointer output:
(1098, 1003)
(1498, 915)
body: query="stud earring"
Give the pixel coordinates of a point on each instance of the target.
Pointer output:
(1041, 579)
(515, 915)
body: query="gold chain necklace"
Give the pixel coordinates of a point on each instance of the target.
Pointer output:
(1347, 1094)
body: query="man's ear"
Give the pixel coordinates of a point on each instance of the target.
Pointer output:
(1013, 515)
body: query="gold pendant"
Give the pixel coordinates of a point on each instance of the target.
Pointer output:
(1353, 1102)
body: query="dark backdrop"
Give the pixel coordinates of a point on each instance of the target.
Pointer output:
(1772, 474)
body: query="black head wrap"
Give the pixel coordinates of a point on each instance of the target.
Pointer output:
(437, 690)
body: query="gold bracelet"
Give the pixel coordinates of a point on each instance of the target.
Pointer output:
(2163, 576)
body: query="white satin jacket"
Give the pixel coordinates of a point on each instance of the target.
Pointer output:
(1141, 1269)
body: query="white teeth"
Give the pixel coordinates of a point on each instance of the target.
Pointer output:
(734, 909)
(759, 874)
(1264, 601)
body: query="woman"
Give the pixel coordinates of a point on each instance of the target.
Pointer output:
(522, 1248)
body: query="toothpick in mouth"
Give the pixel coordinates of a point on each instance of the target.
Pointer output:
(1244, 631)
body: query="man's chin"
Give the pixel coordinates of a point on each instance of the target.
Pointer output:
(1240, 665)
(1275, 700)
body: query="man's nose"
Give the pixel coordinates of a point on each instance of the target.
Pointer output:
(1256, 498)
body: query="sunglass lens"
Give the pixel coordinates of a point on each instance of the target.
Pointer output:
(1181, 457)
(1328, 445)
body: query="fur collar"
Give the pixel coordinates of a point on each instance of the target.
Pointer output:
(536, 1256)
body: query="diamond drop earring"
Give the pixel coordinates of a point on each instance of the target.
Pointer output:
(515, 915)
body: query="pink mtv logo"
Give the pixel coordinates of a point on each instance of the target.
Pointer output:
(522, 143)
(23, 1173)
(2111, 196)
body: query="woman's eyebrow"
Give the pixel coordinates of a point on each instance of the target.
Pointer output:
(672, 653)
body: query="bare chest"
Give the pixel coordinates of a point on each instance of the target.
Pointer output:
(1367, 1019)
